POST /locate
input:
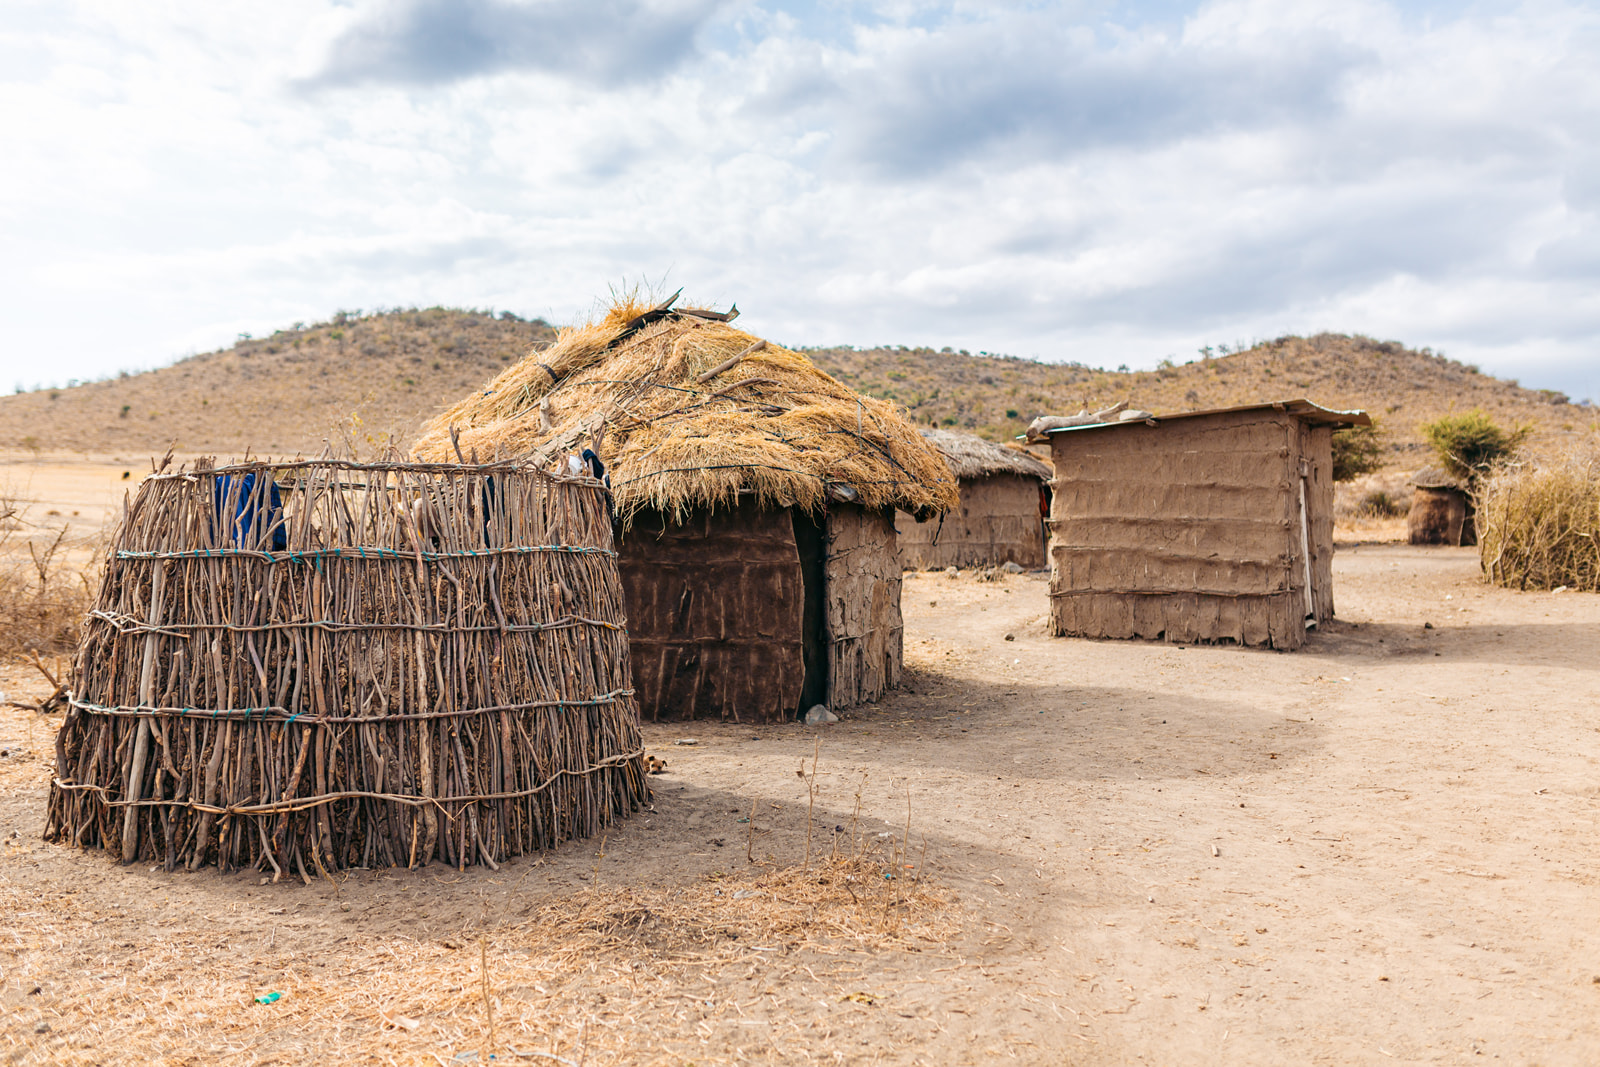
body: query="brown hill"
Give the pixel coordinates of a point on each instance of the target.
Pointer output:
(997, 396)
(379, 377)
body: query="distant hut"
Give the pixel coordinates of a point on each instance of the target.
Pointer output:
(1206, 526)
(755, 502)
(1441, 510)
(1004, 498)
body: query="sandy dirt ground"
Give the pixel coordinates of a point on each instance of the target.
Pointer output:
(1379, 849)
(84, 492)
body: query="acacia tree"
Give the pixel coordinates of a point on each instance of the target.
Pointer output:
(1357, 451)
(1470, 443)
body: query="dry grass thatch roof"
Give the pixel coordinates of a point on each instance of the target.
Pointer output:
(971, 456)
(1436, 478)
(687, 411)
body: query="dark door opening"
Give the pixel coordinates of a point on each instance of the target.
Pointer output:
(809, 541)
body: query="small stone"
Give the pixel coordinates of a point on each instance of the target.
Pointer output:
(1011, 637)
(344, 906)
(819, 714)
(1427, 626)
(42, 1028)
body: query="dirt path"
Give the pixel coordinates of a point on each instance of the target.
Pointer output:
(1378, 849)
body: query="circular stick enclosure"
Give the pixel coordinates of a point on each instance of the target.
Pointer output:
(328, 664)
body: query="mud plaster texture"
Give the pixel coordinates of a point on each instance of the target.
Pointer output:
(1378, 849)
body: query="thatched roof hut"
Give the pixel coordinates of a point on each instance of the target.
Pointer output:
(1201, 526)
(754, 495)
(1005, 496)
(1441, 510)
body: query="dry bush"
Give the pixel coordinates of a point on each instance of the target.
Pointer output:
(1372, 496)
(1372, 507)
(1539, 523)
(43, 594)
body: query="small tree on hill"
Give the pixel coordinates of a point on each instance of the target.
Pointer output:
(1470, 443)
(1357, 451)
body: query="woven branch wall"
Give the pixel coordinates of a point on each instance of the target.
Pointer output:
(331, 664)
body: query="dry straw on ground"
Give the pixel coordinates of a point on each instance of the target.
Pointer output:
(623, 974)
(730, 967)
(398, 663)
(690, 412)
(1539, 523)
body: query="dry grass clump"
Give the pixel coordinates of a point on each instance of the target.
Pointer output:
(689, 412)
(1539, 523)
(43, 596)
(1372, 507)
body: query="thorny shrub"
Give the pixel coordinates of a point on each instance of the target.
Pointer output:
(43, 595)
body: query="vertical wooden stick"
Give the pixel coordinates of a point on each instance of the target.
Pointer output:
(141, 745)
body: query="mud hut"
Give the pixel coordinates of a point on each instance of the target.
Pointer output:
(1005, 496)
(755, 501)
(322, 665)
(1206, 526)
(1441, 510)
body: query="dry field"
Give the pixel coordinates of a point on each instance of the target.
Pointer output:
(1376, 850)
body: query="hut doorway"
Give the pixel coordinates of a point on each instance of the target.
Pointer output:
(810, 544)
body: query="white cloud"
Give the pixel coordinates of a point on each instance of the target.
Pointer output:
(1021, 179)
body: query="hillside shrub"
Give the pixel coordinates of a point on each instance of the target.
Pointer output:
(1539, 524)
(1467, 445)
(1357, 451)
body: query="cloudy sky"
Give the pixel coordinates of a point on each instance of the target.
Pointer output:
(1096, 181)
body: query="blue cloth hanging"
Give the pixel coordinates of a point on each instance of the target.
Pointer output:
(243, 530)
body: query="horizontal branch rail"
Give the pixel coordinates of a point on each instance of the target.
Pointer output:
(306, 803)
(127, 624)
(284, 715)
(366, 552)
